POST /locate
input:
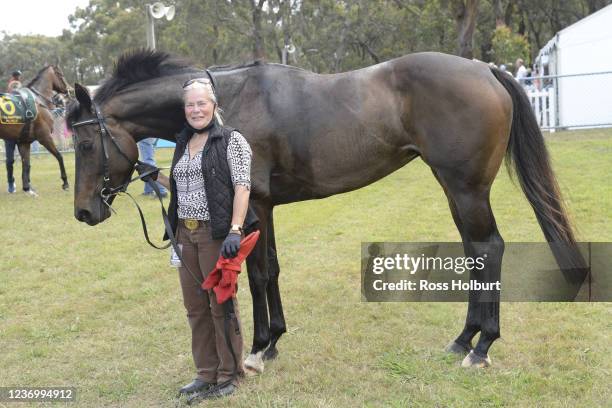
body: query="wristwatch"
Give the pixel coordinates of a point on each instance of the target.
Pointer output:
(236, 229)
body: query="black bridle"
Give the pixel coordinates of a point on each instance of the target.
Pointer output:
(107, 190)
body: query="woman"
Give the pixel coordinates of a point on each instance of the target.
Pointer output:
(210, 185)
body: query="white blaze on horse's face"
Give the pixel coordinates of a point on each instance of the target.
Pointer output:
(199, 107)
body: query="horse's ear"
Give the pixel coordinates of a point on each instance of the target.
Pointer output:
(82, 95)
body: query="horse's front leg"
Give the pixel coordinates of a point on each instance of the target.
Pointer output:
(277, 319)
(257, 267)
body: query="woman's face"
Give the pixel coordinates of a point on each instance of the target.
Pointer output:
(199, 108)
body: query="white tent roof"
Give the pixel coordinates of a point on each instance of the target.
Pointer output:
(593, 36)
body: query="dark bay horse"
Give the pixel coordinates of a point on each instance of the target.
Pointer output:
(50, 79)
(314, 135)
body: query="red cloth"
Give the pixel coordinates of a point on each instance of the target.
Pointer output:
(224, 277)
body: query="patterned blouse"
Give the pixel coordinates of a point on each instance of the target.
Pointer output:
(191, 195)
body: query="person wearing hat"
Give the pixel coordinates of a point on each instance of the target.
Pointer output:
(9, 145)
(15, 82)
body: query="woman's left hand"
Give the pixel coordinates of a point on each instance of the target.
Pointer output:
(231, 245)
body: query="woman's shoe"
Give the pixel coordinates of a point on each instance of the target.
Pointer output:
(219, 392)
(196, 385)
(212, 393)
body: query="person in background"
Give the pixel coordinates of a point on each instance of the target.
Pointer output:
(146, 147)
(9, 145)
(15, 82)
(521, 71)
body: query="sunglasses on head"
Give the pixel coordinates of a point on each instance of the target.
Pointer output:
(198, 80)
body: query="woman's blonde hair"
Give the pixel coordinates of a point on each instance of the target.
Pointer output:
(205, 84)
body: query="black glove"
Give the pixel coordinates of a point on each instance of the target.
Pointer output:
(151, 172)
(231, 245)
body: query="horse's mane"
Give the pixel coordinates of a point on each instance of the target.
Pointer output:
(145, 64)
(138, 66)
(37, 77)
(142, 65)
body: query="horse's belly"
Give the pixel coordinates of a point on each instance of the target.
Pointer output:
(340, 174)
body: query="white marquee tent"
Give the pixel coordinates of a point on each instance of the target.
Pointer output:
(580, 55)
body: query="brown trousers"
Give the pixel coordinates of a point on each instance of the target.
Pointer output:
(211, 354)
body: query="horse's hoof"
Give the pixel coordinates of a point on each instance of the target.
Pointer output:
(270, 354)
(476, 361)
(31, 192)
(254, 364)
(456, 348)
(65, 186)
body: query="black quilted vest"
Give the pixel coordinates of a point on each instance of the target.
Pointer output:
(217, 182)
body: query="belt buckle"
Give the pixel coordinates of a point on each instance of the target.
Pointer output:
(191, 224)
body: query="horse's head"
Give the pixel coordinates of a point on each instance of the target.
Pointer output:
(58, 81)
(104, 153)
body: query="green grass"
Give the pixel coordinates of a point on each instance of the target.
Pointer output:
(98, 309)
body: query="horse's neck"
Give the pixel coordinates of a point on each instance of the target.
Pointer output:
(155, 109)
(44, 85)
(151, 111)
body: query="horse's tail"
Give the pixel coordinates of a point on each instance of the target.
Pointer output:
(526, 149)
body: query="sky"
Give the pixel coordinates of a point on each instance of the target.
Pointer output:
(46, 17)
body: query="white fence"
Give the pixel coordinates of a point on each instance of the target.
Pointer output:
(571, 101)
(544, 107)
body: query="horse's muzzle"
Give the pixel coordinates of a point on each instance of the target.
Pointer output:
(91, 217)
(85, 216)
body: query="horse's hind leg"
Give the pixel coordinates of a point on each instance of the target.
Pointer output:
(277, 319)
(24, 152)
(474, 218)
(47, 141)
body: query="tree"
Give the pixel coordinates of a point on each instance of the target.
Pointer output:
(329, 35)
(508, 46)
(465, 16)
(104, 30)
(29, 54)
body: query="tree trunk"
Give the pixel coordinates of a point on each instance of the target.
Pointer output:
(465, 16)
(215, 53)
(499, 13)
(259, 52)
(286, 19)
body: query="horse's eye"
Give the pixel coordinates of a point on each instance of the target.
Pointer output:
(85, 147)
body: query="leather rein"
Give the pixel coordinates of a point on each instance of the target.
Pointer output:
(47, 101)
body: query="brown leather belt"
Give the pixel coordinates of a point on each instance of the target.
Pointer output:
(192, 224)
